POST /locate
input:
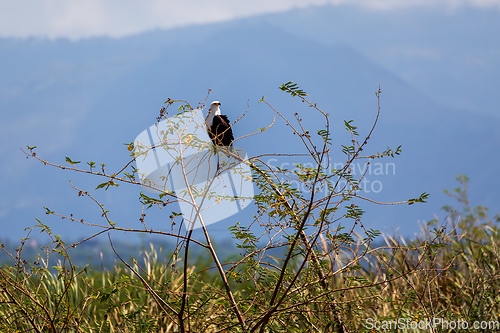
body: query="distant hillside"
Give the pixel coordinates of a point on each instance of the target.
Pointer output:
(447, 54)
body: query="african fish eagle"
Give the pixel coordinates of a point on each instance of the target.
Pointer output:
(218, 126)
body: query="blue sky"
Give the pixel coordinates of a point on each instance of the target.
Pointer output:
(118, 18)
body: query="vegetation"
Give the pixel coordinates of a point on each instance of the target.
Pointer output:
(308, 264)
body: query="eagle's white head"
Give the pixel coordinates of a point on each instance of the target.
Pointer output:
(214, 107)
(213, 111)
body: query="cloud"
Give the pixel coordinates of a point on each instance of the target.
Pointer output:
(118, 18)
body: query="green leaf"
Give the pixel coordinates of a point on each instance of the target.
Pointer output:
(148, 201)
(48, 211)
(130, 146)
(423, 197)
(71, 162)
(325, 135)
(107, 184)
(350, 127)
(293, 89)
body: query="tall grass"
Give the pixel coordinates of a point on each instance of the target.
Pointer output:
(450, 271)
(453, 272)
(35, 298)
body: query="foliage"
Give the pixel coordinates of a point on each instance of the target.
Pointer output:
(307, 262)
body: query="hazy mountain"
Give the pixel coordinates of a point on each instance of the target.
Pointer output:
(85, 99)
(452, 56)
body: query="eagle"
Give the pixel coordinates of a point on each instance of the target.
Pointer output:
(218, 126)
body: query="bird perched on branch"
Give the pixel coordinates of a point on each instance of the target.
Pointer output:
(218, 127)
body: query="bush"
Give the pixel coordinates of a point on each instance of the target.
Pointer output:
(307, 262)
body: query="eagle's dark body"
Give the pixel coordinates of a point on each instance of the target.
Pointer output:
(220, 132)
(218, 126)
